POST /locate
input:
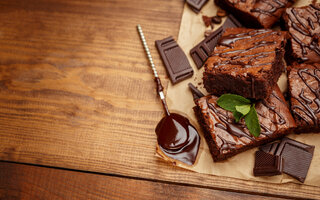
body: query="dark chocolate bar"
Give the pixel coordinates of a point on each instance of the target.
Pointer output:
(196, 5)
(197, 94)
(267, 164)
(174, 59)
(297, 158)
(203, 50)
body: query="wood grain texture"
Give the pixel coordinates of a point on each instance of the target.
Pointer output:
(30, 182)
(76, 90)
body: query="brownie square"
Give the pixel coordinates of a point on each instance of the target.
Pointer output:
(250, 59)
(304, 90)
(303, 26)
(227, 138)
(256, 13)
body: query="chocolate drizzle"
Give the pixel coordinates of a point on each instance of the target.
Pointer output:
(305, 26)
(232, 128)
(305, 101)
(230, 40)
(178, 139)
(226, 145)
(270, 11)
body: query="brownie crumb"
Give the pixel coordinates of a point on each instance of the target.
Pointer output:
(206, 20)
(221, 13)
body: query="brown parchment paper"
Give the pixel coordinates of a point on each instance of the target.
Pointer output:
(180, 100)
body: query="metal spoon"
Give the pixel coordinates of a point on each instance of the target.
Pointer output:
(177, 138)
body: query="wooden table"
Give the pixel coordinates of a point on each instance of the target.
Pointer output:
(78, 106)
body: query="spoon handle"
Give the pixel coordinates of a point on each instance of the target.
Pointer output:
(155, 73)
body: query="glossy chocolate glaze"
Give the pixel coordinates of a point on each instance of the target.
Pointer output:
(178, 139)
(304, 85)
(274, 5)
(256, 13)
(304, 29)
(247, 48)
(228, 137)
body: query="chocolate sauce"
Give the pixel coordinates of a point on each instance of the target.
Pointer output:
(232, 38)
(270, 11)
(178, 139)
(226, 145)
(229, 41)
(233, 129)
(306, 102)
(302, 28)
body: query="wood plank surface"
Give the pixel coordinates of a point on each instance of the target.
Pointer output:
(76, 90)
(31, 182)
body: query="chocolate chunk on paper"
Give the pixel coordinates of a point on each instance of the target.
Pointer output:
(201, 52)
(267, 164)
(297, 158)
(174, 59)
(196, 5)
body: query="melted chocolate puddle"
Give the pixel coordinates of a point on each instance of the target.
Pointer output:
(178, 139)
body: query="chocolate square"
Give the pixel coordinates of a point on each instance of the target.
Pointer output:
(297, 158)
(174, 59)
(196, 5)
(201, 52)
(267, 164)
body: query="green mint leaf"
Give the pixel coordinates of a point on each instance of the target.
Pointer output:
(243, 109)
(252, 121)
(237, 116)
(230, 101)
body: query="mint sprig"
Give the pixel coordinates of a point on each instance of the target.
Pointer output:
(241, 107)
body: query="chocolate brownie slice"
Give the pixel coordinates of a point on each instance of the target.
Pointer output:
(226, 138)
(247, 62)
(303, 26)
(304, 89)
(256, 13)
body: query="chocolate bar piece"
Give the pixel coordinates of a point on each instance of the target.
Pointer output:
(226, 138)
(175, 61)
(197, 94)
(203, 50)
(196, 5)
(297, 158)
(267, 164)
(270, 148)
